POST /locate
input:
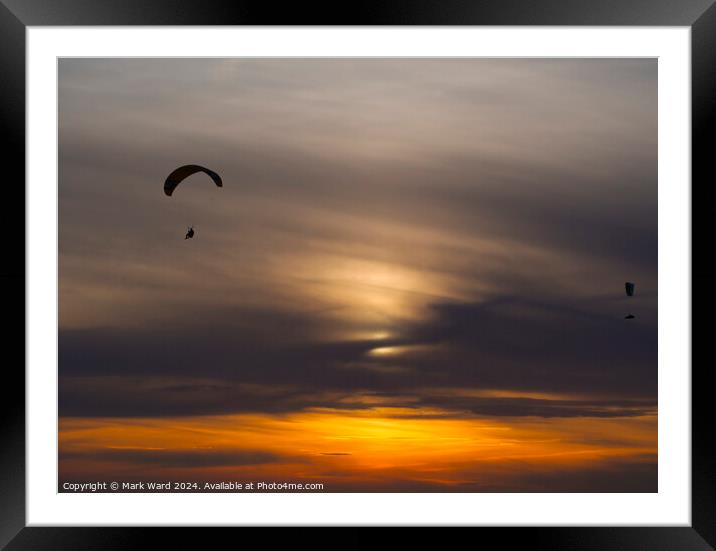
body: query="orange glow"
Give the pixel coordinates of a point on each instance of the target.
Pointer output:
(355, 449)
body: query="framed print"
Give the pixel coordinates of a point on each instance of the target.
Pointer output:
(424, 267)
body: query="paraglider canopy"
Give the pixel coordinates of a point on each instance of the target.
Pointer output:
(176, 177)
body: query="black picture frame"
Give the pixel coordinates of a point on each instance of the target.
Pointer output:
(16, 15)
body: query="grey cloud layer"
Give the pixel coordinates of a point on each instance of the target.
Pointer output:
(501, 203)
(505, 343)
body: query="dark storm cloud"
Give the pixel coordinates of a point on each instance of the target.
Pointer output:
(507, 343)
(513, 342)
(530, 407)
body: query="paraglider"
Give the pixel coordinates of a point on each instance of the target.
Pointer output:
(629, 288)
(178, 175)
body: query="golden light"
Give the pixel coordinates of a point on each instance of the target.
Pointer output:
(384, 351)
(372, 447)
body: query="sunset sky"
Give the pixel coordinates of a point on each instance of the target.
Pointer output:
(412, 279)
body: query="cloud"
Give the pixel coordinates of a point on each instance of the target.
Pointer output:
(176, 458)
(505, 343)
(488, 238)
(616, 475)
(335, 453)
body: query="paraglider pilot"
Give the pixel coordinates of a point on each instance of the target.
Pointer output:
(189, 233)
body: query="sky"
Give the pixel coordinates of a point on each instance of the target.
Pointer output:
(411, 280)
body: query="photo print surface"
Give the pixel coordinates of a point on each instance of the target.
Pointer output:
(358, 275)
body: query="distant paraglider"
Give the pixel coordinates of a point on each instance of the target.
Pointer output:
(629, 288)
(179, 174)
